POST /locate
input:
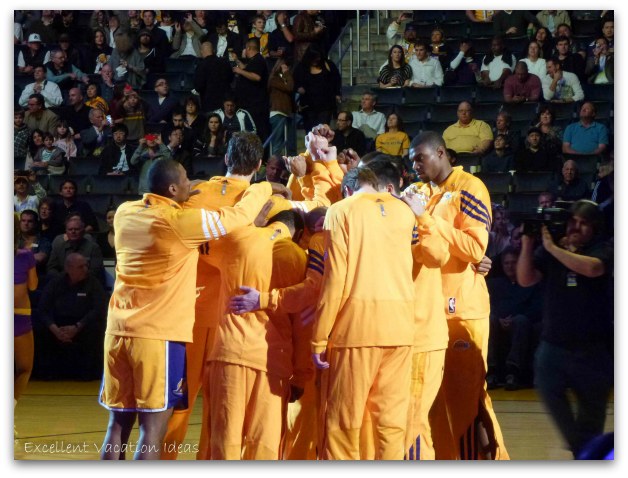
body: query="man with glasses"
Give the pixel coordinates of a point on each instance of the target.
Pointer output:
(64, 74)
(38, 117)
(160, 107)
(346, 136)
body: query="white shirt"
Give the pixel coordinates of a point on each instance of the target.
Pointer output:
(221, 46)
(371, 124)
(427, 73)
(21, 63)
(570, 87)
(496, 67)
(50, 92)
(537, 68)
(189, 46)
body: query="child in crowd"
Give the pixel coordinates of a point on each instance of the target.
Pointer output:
(94, 100)
(64, 139)
(500, 159)
(50, 159)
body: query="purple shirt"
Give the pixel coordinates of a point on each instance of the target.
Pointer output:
(530, 89)
(24, 261)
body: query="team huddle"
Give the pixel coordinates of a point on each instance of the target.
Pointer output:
(342, 317)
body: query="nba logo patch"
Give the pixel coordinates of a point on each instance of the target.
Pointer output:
(452, 305)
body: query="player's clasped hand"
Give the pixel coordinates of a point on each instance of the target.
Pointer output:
(247, 302)
(319, 361)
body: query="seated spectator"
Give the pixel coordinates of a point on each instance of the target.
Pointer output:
(394, 141)
(275, 170)
(113, 28)
(99, 20)
(564, 30)
(160, 108)
(546, 199)
(587, 136)
(94, 98)
(66, 25)
(64, 139)
(522, 87)
(22, 199)
(106, 239)
(127, 63)
(72, 314)
(463, 70)
(35, 143)
(212, 142)
(44, 27)
(35, 55)
(500, 159)
(116, 156)
(503, 124)
(158, 37)
(570, 61)
(76, 112)
(282, 108)
(532, 157)
(468, 135)
(132, 112)
(194, 119)
(98, 53)
(49, 159)
(167, 24)
(544, 38)
(514, 23)
(212, 78)
(224, 40)
(94, 138)
(497, 65)
(149, 151)
(346, 136)
(21, 136)
(48, 89)
(70, 203)
(608, 32)
(62, 72)
(551, 135)
(439, 49)
(570, 186)
(408, 38)
(72, 55)
(32, 240)
(514, 325)
(560, 86)
(367, 120)
(48, 226)
(600, 68)
(106, 84)
(604, 193)
(74, 240)
(153, 61)
(177, 121)
(550, 19)
(536, 64)
(187, 39)
(499, 236)
(258, 25)
(235, 119)
(38, 116)
(177, 151)
(281, 41)
(396, 72)
(199, 18)
(426, 70)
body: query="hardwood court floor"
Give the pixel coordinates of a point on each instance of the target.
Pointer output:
(63, 421)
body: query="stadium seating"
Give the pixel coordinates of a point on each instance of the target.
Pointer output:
(412, 128)
(587, 163)
(86, 166)
(532, 181)
(444, 112)
(456, 94)
(392, 96)
(521, 111)
(484, 94)
(496, 183)
(469, 162)
(413, 112)
(110, 184)
(522, 202)
(455, 29)
(599, 92)
(206, 167)
(415, 96)
(481, 30)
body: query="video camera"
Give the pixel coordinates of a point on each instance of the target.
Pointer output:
(555, 218)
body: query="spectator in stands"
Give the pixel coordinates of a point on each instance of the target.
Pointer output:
(63, 73)
(346, 136)
(76, 112)
(570, 186)
(212, 142)
(106, 239)
(572, 62)
(514, 23)
(282, 106)
(48, 225)
(608, 32)
(564, 30)
(160, 107)
(187, 39)
(497, 65)
(44, 27)
(499, 236)
(132, 112)
(478, 16)
(21, 135)
(99, 20)
(514, 320)
(367, 120)
(500, 159)
(439, 49)
(48, 89)
(536, 64)
(200, 19)
(546, 199)
(224, 40)
(604, 193)
(426, 70)
(259, 24)
(318, 83)
(560, 86)
(275, 170)
(463, 70)
(158, 36)
(127, 63)
(600, 68)
(35, 143)
(587, 136)
(177, 151)
(22, 200)
(113, 29)
(503, 125)
(235, 23)
(251, 86)
(68, 202)
(167, 24)
(396, 72)
(394, 141)
(94, 138)
(212, 78)
(281, 41)
(66, 24)
(152, 58)
(468, 135)
(74, 240)
(194, 121)
(551, 135)
(98, 52)
(35, 55)
(522, 87)
(72, 311)
(32, 240)
(116, 156)
(72, 54)
(307, 31)
(94, 98)
(550, 19)
(49, 159)
(544, 38)
(106, 84)
(533, 157)
(149, 151)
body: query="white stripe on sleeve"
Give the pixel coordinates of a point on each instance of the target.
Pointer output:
(216, 217)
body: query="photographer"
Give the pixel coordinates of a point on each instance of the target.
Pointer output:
(575, 351)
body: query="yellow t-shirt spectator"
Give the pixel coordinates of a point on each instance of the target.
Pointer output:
(395, 144)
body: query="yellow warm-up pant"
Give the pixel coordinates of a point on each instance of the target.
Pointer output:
(427, 376)
(301, 437)
(462, 413)
(360, 378)
(248, 410)
(197, 353)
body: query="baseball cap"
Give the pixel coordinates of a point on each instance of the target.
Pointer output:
(33, 38)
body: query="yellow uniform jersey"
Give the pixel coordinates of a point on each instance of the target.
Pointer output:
(258, 340)
(367, 297)
(461, 210)
(392, 143)
(157, 251)
(464, 139)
